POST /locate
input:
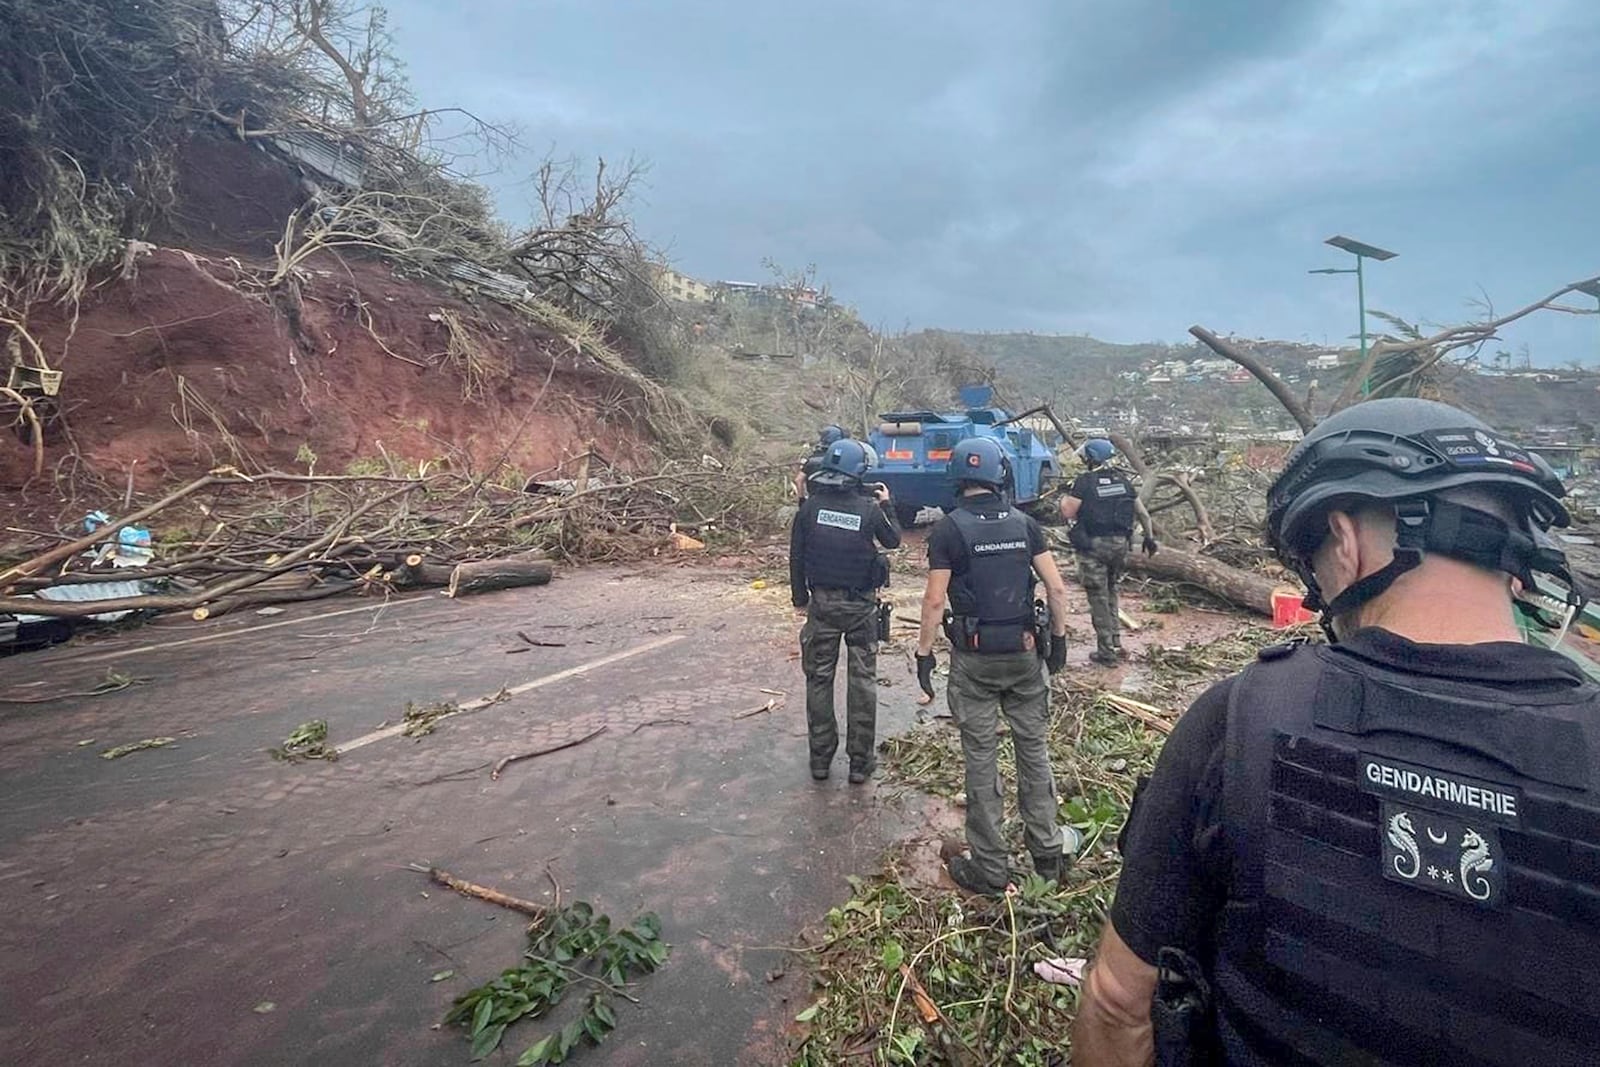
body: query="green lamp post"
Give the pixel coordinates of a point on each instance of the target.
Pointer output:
(1362, 252)
(1590, 289)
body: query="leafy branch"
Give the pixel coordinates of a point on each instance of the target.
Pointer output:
(572, 944)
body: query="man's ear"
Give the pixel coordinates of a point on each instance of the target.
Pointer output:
(1344, 549)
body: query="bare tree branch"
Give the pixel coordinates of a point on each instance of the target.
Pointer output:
(1262, 374)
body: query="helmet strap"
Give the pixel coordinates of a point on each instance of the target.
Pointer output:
(1462, 533)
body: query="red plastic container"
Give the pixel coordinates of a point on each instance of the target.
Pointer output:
(1288, 608)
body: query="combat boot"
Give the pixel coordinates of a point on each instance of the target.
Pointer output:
(1050, 867)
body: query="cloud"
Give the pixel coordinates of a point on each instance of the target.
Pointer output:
(1123, 169)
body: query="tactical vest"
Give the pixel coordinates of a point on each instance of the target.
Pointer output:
(992, 600)
(1417, 869)
(1107, 510)
(840, 551)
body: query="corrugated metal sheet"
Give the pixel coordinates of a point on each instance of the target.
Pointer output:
(333, 161)
(89, 592)
(493, 282)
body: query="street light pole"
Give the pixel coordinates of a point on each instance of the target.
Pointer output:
(1591, 289)
(1361, 251)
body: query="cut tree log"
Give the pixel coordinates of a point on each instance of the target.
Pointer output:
(1242, 588)
(412, 570)
(489, 574)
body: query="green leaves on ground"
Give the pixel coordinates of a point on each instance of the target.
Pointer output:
(979, 1001)
(137, 746)
(420, 718)
(308, 741)
(570, 945)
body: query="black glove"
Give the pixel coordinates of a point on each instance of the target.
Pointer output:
(925, 665)
(1150, 546)
(1057, 658)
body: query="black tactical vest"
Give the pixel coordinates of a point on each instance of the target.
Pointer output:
(1417, 871)
(992, 600)
(1107, 509)
(840, 550)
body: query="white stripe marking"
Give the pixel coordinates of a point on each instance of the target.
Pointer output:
(387, 606)
(516, 690)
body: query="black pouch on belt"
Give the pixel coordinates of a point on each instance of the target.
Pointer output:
(885, 614)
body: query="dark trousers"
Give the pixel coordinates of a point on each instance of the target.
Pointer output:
(834, 614)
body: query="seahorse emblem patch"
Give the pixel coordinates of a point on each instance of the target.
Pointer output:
(1443, 854)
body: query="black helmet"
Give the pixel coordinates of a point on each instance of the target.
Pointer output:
(1406, 451)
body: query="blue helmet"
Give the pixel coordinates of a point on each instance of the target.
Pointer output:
(980, 460)
(830, 434)
(1097, 450)
(845, 461)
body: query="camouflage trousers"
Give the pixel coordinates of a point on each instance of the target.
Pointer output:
(982, 688)
(836, 614)
(1100, 568)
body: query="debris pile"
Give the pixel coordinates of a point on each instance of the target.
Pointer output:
(235, 541)
(908, 973)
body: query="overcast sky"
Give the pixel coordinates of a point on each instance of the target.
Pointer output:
(1122, 168)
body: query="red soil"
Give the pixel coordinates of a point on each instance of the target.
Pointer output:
(329, 386)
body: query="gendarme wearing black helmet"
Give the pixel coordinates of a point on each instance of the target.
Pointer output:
(1407, 452)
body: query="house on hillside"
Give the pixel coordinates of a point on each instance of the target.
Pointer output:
(680, 286)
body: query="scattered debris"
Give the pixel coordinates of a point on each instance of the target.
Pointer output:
(977, 961)
(137, 746)
(1063, 970)
(114, 682)
(420, 718)
(661, 722)
(494, 775)
(482, 892)
(490, 574)
(570, 944)
(309, 740)
(1151, 717)
(441, 976)
(265, 1007)
(768, 706)
(541, 644)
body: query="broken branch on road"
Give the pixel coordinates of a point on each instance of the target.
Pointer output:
(494, 775)
(483, 892)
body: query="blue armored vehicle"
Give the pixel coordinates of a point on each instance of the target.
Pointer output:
(914, 453)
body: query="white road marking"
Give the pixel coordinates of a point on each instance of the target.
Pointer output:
(495, 698)
(96, 657)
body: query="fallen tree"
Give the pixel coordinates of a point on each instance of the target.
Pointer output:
(1242, 588)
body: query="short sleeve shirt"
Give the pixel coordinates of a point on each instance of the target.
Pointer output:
(946, 550)
(1176, 864)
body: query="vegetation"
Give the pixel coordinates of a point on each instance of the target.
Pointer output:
(569, 945)
(912, 974)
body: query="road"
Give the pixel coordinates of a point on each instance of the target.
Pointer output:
(154, 902)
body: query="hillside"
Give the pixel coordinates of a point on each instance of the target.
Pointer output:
(1100, 382)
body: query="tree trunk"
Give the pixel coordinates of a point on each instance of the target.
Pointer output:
(491, 574)
(1242, 588)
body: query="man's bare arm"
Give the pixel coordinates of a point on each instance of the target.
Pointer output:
(1055, 591)
(1142, 513)
(1113, 1024)
(933, 598)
